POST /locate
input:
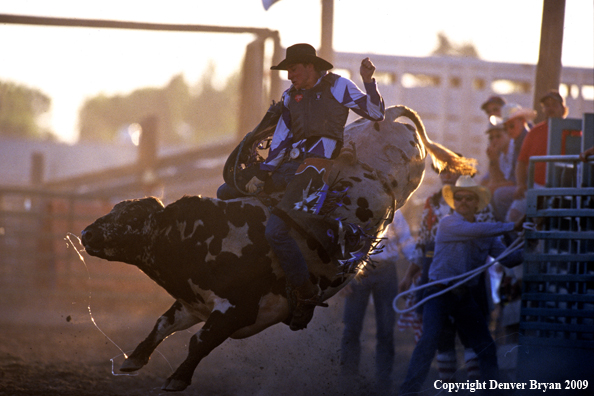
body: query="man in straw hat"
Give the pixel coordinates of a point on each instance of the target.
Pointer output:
(461, 245)
(314, 113)
(436, 209)
(515, 121)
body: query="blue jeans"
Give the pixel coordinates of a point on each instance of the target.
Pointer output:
(470, 322)
(383, 283)
(226, 192)
(502, 200)
(286, 249)
(277, 233)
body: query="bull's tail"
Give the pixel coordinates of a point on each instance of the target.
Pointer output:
(442, 157)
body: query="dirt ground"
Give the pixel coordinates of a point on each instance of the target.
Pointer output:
(49, 344)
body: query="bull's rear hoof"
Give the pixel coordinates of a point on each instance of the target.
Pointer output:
(173, 385)
(130, 365)
(302, 315)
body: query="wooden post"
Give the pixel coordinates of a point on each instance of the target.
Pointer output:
(326, 49)
(251, 108)
(275, 80)
(147, 154)
(37, 169)
(41, 207)
(548, 69)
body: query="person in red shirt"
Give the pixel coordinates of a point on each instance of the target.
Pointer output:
(535, 143)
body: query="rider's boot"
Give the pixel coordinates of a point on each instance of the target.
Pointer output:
(306, 298)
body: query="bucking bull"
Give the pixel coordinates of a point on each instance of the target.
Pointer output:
(213, 258)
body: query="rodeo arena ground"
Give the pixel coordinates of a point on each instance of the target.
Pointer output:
(81, 312)
(69, 319)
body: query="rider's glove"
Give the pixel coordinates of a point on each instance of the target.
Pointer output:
(254, 185)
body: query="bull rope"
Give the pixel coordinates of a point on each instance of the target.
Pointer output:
(467, 276)
(112, 360)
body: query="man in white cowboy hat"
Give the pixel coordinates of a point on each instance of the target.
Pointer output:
(461, 244)
(314, 113)
(436, 209)
(515, 121)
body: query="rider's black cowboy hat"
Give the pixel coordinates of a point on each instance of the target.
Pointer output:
(302, 53)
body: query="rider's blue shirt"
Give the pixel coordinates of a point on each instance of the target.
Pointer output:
(370, 106)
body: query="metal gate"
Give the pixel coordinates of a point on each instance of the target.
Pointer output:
(557, 314)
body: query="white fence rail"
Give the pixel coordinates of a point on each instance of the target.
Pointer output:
(448, 92)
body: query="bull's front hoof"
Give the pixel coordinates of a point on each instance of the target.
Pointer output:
(131, 365)
(173, 385)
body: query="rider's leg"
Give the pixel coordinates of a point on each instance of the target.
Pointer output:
(295, 268)
(226, 192)
(287, 250)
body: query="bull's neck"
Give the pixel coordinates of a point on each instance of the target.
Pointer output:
(143, 246)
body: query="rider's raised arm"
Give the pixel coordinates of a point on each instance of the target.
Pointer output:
(369, 105)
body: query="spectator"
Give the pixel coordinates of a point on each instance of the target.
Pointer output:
(436, 209)
(461, 244)
(492, 106)
(382, 283)
(500, 153)
(584, 156)
(515, 120)
(536, 143)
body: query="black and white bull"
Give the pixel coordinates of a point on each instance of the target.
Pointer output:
(213, 258)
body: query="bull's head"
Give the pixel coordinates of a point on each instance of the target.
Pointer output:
(121, 235)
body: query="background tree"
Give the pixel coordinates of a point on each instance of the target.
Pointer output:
(21, 112)
(183, 117)
(214, 113)
(447, 48)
